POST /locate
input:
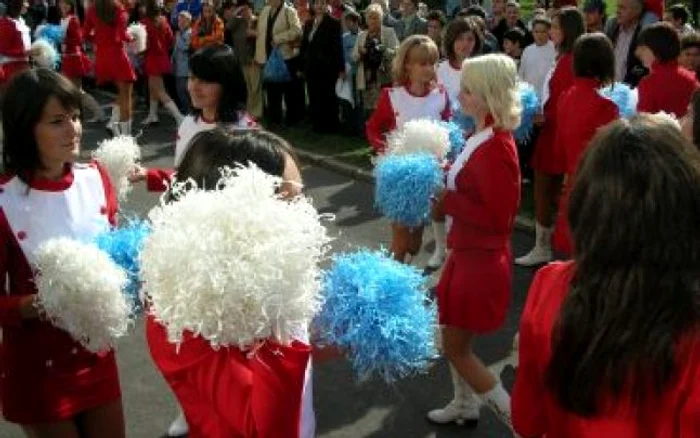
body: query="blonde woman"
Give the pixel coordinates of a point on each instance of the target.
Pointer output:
(373, 52)
(480, 200)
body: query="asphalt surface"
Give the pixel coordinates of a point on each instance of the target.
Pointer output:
(344, 408)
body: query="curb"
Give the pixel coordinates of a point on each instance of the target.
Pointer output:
(522, 223)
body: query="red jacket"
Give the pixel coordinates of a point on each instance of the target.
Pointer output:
(536, 413)
(484, 206)
(73, 42)
(667, 88)
(159, 39)
(104, 35)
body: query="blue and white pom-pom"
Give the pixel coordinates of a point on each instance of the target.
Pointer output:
(123, 245)
(465, 122)
(119, 155)
(457, 139)
(420, 136)
(623, 96)
(235, 265)
(44, 54)
(79, 289)
(53, 33)
(404, 185)
(375, 310)
(530, 103)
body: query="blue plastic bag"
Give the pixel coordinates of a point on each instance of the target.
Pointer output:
(276, 69)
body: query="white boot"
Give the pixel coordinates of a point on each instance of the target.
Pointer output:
(498, 400)
(94, 107)
(123, 128)
(174, 111)
(152, 114)
(438, 257)
(179, 426)
(542, 252)
(463, 408)
(113, 120)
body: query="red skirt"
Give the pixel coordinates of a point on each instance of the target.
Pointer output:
(548, 157)
(474, 290)
(157, 65)
(47, 377)
(12, 69)
(75, 65)
(112, 65)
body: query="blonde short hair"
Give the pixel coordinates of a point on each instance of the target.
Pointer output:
(375, 9)
(494, 78)
(429, 51)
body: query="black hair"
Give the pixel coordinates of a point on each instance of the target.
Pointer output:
(477, 10)
(594, 57)
(212, 150)
(438, 16)
(14, 8)
(662, 39)
(105, 10)
(572, 26)
(53, 15)
(219, 64)
(457, 27)
(22, 107)
(680, 12)
(695, 104)
(153, 11)
(515, 35)
(633, 213)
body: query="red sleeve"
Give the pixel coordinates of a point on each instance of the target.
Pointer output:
(10, 314)
(110, 195)
(562, 79)
(121, 19)
(488, 189)
(89, 24)
(168, 37)
(527, 398)
(73, 34)
(646, 103)
(10, 40)
(690, 413)
(157, 180)
(380, 122)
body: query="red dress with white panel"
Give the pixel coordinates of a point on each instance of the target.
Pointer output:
(74, 62)
(666, 88)
(111, 61)
(582, 111)
(45, 376)
(546, 157)
(675, 413)
(159, 43)
(15, 42)
(396, 106)
(481, 202)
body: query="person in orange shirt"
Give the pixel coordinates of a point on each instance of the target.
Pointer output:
(208, 29)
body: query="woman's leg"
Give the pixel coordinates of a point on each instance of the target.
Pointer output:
(106, 421)
(153, 101)
(61, 429)
(125, 107)
(400, 241)
(158, 91)
(547, 188)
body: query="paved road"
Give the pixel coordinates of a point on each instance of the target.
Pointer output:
(344, 408)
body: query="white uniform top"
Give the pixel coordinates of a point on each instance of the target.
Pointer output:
(24, 31)
(450, 78)
(408, 107)
(535, 63)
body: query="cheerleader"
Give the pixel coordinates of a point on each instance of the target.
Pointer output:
(610, 342)
(74, 63)
(594, 67)
(481, 201)
(668, 86)
(15, 41)
(51, 386)
(105, 25)
(218, 92)
(567, 26)
(223, 392)
(415, 95)
(157, 63)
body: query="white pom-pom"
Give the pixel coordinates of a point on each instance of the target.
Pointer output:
(422, 135)
(137, 32)
(236, 264)
(119, 155)
(44, 54)
(80, 290)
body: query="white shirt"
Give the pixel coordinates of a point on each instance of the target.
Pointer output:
(535, 63)
(449, 77)
(191, 126)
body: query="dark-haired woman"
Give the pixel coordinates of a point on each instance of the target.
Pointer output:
(222, 392)
(105, 26)
(549, 166)
(156, 63)
(51, 386)
(15, 41)
(208, 30)
(610, 342)
(668, 86)
(582, 111)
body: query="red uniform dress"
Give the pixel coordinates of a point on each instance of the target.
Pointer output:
(45, 376)
(159, 43)
(396, 106)
(15, 43)
(582, 111)
(667, 88)
(111, 61)
(74, 62)
(229, 393)
(536, 413)
(481, 201)
(545, 158)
